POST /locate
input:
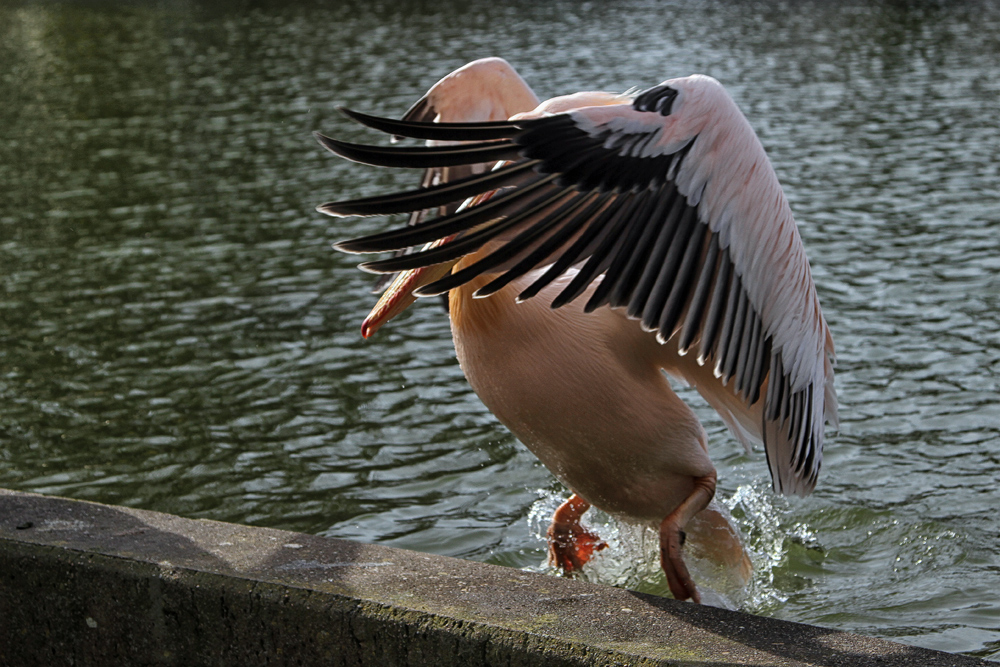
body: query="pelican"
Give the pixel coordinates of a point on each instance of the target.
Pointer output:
(591, 246)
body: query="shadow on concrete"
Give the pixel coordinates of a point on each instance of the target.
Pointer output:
(91, 527)
(169, 541)
(815, 645)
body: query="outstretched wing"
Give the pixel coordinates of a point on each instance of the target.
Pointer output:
(672, 200)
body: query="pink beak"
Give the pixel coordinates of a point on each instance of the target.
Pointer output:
(399, 295)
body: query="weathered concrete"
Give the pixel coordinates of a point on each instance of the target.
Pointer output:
(89, 584)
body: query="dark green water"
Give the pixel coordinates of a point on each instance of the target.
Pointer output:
(176, 333)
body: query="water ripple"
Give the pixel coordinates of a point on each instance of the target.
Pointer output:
(177, 334)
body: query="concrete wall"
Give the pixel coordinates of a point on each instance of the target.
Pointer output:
(88, 584)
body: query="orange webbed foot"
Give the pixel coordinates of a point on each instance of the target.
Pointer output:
(571, 546)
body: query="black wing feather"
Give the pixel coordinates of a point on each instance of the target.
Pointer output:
(426, 157)
(628, 249)
(573, 223)
(431, 197)
(469, 242)
(700, 298)
(591, 233)
(486, 131)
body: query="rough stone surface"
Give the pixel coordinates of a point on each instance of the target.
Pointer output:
(89, 584)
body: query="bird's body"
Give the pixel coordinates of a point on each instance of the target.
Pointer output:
(636, 454)
(591, 245)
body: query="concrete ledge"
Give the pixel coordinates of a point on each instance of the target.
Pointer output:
(89, 584)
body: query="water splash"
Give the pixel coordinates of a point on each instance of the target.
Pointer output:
(768, 536)
(632, 558)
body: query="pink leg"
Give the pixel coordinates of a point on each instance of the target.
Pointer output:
(672, 536)
(570, 546)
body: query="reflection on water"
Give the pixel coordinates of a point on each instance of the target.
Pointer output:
(176, 333)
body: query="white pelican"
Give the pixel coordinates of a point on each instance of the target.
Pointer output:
(587, 245)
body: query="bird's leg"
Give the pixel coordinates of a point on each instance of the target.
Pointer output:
(672, 538)
(570, 545)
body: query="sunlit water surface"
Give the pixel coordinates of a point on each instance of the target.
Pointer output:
(177, 334)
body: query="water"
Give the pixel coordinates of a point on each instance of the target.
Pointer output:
(176, 333)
